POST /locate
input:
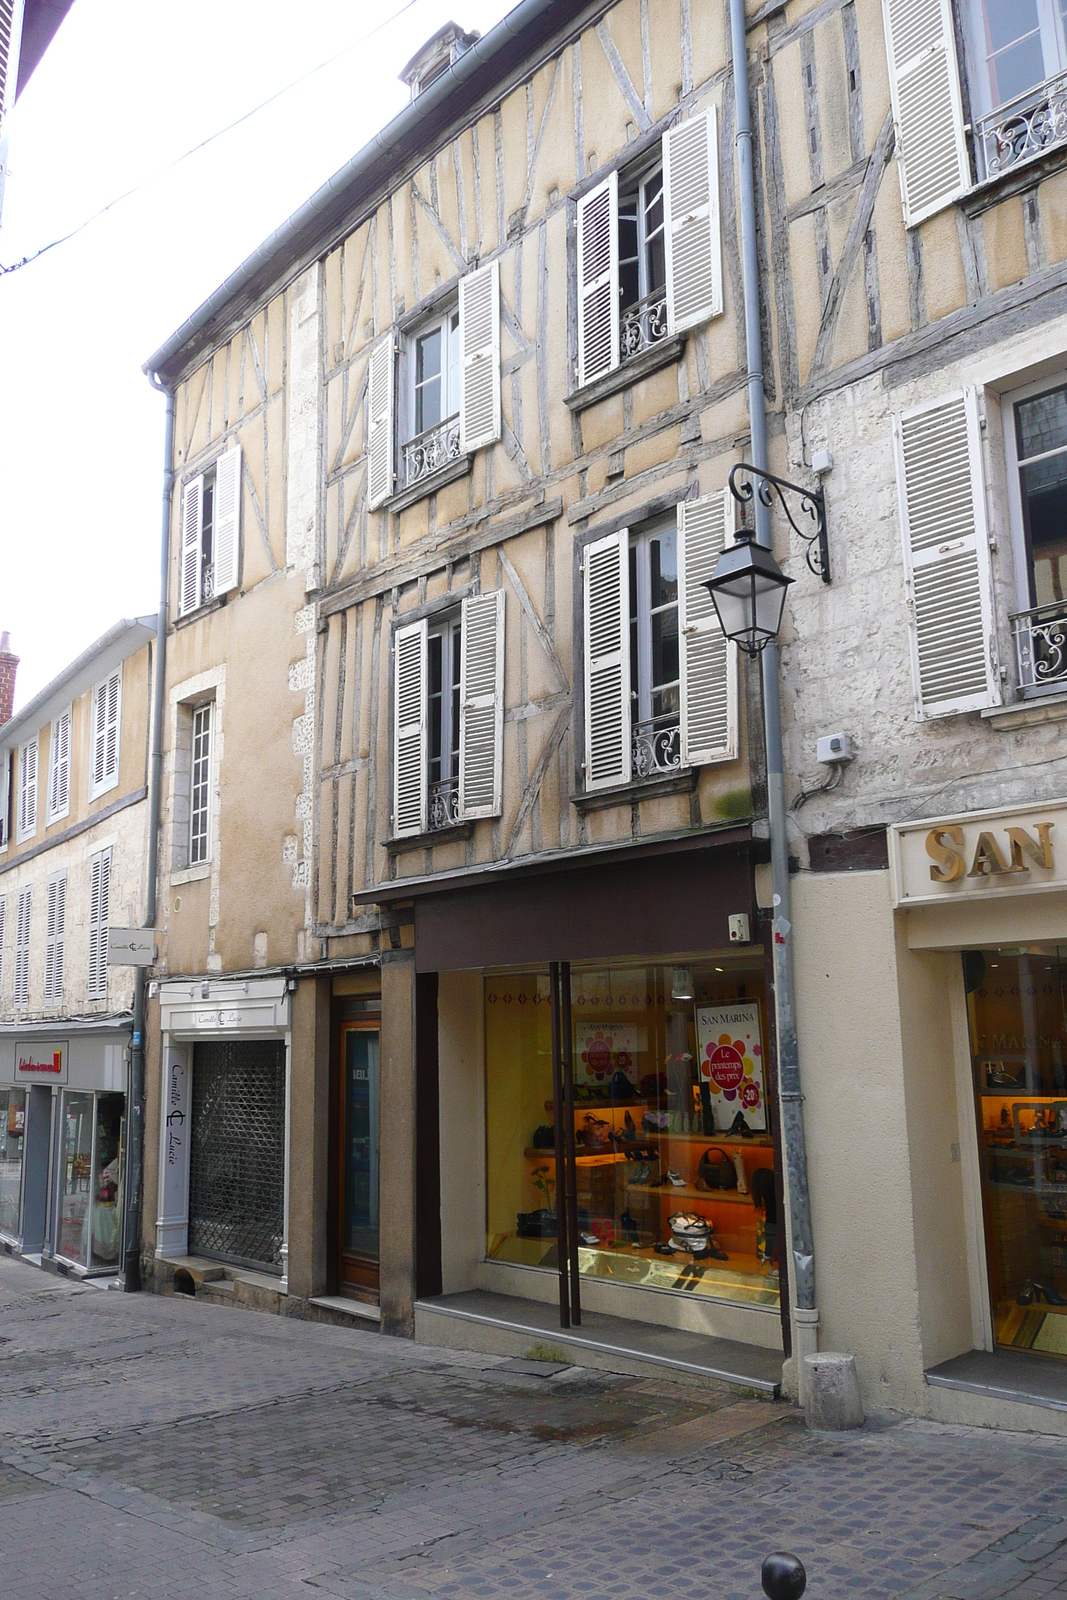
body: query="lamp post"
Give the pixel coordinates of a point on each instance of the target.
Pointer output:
(748, 589)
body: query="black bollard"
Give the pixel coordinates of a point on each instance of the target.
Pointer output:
(783, 1577)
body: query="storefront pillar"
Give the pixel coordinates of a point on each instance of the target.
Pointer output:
(309, 1144)
(398, 1143)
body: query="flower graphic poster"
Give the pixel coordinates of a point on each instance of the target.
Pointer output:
(731, 1062)
(603, 1048)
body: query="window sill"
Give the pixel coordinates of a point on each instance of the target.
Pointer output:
(628, 373)
(644, 789)
(430, 485)
(1016, 180)
(191, 874)
(202, 611)
(432, 836)
(1027, 713)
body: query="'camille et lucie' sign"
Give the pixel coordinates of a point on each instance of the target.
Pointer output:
(986, 854)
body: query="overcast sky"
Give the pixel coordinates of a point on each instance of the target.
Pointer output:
(126, 87)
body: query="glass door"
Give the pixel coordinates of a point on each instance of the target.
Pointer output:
(75, 1178)
(12, 1141)
(90, 1180)
(357, 1266)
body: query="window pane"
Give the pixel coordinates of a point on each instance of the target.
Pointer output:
(456, 647)
(12, 1138)
(435, 670)
(1044, 488)
(664, 561)
(1007, 21)
(107, 1185)
(1042, 423)
(657, 264)
(75, 1177)
(428, 381)
(1016, 70)
(453, 365)
(665, 647)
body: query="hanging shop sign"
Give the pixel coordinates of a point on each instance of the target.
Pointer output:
(41, 1063)
(131, 947)
(980, 856)
(731, 1062)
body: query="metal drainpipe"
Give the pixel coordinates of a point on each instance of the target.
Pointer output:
(805, 1314)
(135, 1118)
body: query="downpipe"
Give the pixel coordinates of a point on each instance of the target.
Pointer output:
(136, 1099)
(805, 1311)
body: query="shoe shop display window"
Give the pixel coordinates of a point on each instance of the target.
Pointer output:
(12, 1140)
(675, 1164)
(1017, 1009)
(89, 1231)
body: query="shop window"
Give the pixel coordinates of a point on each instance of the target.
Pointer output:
(22, 950)
(12, 1141)
(55, 939)
(27, 801)
(210, 533)
(1017, 1005)
(59, 768)
(673, 1123)
(104, 747)
(1036, 426)
(89, 1226)
(99, 916)
(1018, 77)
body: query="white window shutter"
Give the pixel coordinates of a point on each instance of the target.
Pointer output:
(598, 281)
(28, 790)
(924, 83)
(99, 913)
(708, 659)
(227, 521)
(22, 949)
(380, 381)
(5, 795)
(59, 768)
(54, 938)
(691, 222)
(607, 661)
(107, 709)
(189, 560)
(3, 909)
(946, 556)
(409, 729)
(481, 705)
(479, 342)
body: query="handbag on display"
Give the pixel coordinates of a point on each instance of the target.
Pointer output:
(544, 1137)
(717, 1170)
(597, 1133)
(539, 1224)
(621, 1087)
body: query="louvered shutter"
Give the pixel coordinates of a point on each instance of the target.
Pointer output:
(3, 909)
(107, 704)
(409, 718)
(607, 662)
(708, 660)
(946, 556)
(189, 563)
(54, 938)
(598, 281)
(691, 222)
(227, 520)
(59, 769)
(99, 912)
(28, 790)
(479, 338)
(380, 376)
(22, 949)
(5, 795)
(924, 83)
(481, 705)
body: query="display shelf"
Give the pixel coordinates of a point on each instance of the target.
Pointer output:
(601, 1157)
(671, 1191)
(650, 1102)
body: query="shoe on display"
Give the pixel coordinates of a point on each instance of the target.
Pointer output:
(629, 1227)
(739, 1127)
(663, 1249)
(629, 1127)
(1050, 1296)
(588, 1239)
(674, 1178)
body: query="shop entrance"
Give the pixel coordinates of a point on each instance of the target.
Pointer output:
(1017, 1012)
(357, 1098)
(237, 1153)
(91, 1164)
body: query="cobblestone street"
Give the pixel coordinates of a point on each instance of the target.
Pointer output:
(163, 1447)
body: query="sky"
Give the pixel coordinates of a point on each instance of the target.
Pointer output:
(126, 88)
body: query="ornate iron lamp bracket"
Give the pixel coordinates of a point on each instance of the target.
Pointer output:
(812, 507)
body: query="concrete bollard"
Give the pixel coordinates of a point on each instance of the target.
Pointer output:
(832, 1402)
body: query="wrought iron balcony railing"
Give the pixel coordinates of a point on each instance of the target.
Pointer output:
(1022, 128)
(431, 450)
(643, 325)
(1041, 645)
(655, 746)
(443, 804)
(207, 582)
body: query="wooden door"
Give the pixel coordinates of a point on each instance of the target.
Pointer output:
(358, 1157)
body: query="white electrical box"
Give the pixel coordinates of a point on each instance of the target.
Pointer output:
(834, 747)
(739, 929)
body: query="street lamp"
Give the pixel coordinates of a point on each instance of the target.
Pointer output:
(748, 589)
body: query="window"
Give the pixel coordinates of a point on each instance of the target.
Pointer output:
(55, 938)
(99, 914)
(648, 249)
(59, 768)
(210, 533)
(448, 717)
(1019, 78)
(450, 394)
(106, 710)
(660, 679)
(27, 818)
(1036, 429)
(3, 909)
(22, 951)
(200, 786)
(655, 669)
(6, 759)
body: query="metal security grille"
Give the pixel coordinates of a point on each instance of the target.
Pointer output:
(237, 1160)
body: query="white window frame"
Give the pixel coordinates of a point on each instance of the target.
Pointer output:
(55, 938)
(449, 630)
(451, 369)
(1050, 30)
(59, 808)
(99, 917)
(24, 830)
(204, 762)
(22, 948)
(641, 543)
(109, 780)
(1020, 555)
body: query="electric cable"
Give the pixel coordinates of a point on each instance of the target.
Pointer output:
(211, 138)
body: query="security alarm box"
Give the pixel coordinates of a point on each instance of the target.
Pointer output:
(739, 932)
(834, 747)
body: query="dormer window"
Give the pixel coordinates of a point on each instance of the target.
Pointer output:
(436, 56)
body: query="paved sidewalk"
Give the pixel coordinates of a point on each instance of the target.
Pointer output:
(161, 1448)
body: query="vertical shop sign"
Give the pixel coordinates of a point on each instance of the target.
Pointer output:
(731, 1062)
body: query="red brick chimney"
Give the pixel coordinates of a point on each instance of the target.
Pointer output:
(8, 664)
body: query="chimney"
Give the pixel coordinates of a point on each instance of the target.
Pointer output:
(8, 664)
